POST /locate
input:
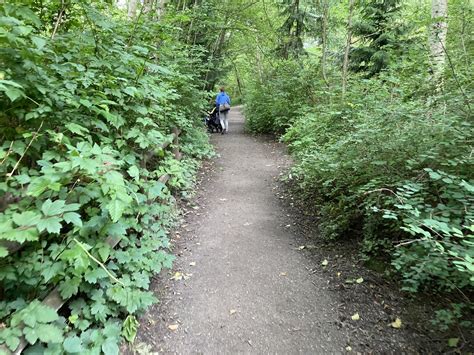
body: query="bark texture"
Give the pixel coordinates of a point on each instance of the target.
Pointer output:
(439, 31)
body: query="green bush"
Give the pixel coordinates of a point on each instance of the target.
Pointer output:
(84, 116)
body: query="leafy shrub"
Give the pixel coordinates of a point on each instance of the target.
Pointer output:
(84, 117)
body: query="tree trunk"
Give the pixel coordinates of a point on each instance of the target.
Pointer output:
(132, 9)
(345, 65)
(439, 31)
(324, 37)
(160, 9)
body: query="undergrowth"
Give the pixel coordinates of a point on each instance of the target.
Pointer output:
(85, 110)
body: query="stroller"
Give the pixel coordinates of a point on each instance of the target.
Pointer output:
(213, 122)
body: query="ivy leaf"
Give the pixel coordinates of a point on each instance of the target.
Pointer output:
(74, 218)
(51, 224)
(73, 344)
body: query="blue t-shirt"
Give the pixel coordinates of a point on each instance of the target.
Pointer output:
(222, 98)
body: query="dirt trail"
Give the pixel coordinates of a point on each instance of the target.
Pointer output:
(250, 290)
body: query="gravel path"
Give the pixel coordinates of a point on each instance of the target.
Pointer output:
(248, 289)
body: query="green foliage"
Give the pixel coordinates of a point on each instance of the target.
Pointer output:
(388, 162)
(86, 109)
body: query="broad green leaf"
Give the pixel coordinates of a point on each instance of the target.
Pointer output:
(110, 346)
(3, 252)
(74, 218)
(116, 208)
(51, 208)
(77, 129)
(73, 344)
(49, 333)
(156, 190)
(134, 172)
(51, 224)
(38, 41)
(27, 218)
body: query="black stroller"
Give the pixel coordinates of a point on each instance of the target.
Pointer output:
(213, 122)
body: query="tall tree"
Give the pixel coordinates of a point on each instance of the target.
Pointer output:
(345, 64)
(292, 30)
(375, 30)
(438, 34)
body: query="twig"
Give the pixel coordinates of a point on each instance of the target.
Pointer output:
(60, 16)
(8, 153)
(410, 242)
(98, 262)
(28, 146)
(454, 74)
(385, 189)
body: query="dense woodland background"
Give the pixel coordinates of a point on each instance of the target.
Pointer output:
(374, 99)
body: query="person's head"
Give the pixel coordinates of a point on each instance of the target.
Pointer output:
(222, 89)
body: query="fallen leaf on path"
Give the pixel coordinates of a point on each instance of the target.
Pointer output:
(301, 247)
(282, 273)
(233, 311)
(355, 316)
(397, 324)
(360, 280)
(177, 276)
(325, 262)
(247, 224)
(192, 263)
(348, 348)
(173, 327)
(338, 274)
(222, 199)
(453, 342)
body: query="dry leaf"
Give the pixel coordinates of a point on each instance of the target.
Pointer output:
(348, 348)
(193, 263)
(233, 311)
(282, 273)
(301, 247)
(355, 316)
(177, 276)
(397, 324)
(173, 327)
(325, 262)
(338, 274)
(360, 280)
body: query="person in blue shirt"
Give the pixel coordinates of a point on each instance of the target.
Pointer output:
(223, 104)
